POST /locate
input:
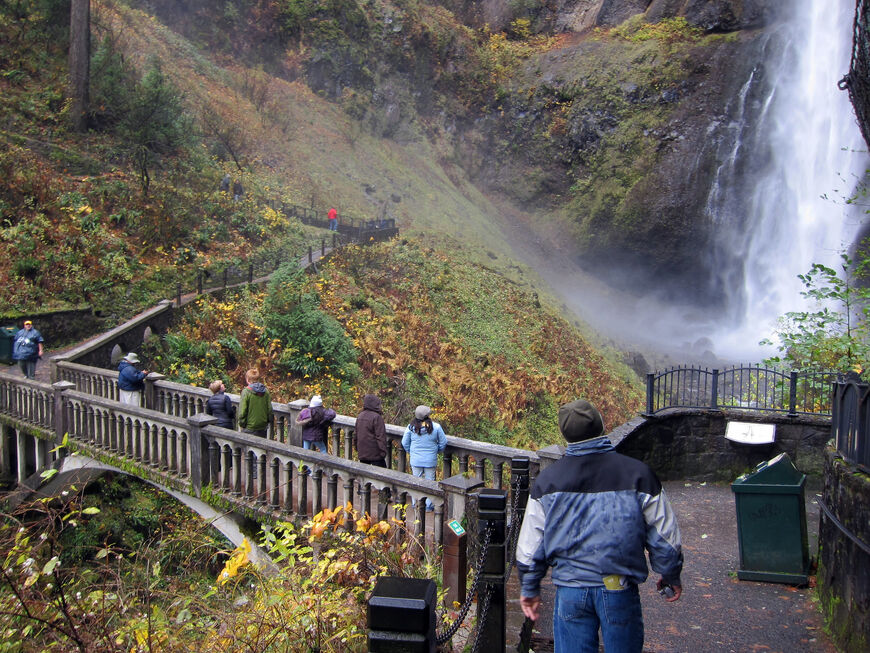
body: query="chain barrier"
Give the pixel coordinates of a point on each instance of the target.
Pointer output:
(486, 599)
(481, 620)
(463, 611)
(514, 532)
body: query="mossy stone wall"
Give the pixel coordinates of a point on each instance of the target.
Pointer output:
(690, 443)
(844, 553)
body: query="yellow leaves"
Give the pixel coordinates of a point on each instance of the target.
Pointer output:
(238, 559)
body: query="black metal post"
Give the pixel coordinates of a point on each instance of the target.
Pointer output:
(792, 393)
(226, 276)
(199, 282)
(310, 254)
(250, 273)
(401, 616)
(714, 391)
(650, 391)
(520, 473)
(492, 515)
(178, 295)
(322, 246)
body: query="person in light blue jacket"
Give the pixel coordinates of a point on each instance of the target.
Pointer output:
(424, 440)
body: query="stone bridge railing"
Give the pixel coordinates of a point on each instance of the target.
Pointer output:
(173, 442)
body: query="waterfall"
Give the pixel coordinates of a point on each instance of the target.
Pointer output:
(795, 153)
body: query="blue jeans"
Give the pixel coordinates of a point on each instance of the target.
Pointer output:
(429, 474)
(580, 611)
(319, 444)
(28, 368)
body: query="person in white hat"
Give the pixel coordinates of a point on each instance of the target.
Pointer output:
(315, 422)
(131, 382)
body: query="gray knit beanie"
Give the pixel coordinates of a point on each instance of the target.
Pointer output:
(579, 420)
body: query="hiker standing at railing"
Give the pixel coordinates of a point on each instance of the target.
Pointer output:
(591, 515)
(333, 219)
(424, 440)
(371, 432)
(219, 405)
(315, 422)
(131, 382)
(27, 348)
(255, 406)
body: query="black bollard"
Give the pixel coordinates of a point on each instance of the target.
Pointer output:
(401, 616)
(520, 472)
(492, 516)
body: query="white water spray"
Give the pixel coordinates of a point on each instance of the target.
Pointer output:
(814, 156)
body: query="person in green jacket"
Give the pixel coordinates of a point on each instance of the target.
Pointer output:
(255, 407)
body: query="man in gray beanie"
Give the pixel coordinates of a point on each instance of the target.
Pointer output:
(590, 516)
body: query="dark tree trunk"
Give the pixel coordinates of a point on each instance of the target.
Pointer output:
(79, 62)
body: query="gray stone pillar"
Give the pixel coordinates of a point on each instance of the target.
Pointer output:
(294, 436)
(199, 462)
(457, 490)
(21, 471)
(150, 397)
(61, 415)
(549, 455)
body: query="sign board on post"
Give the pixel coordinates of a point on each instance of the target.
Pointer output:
(749, 433)
(456, 527)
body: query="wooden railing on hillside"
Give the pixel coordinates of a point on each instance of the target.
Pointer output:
(749, 387)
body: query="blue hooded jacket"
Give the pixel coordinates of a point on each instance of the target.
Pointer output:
(129, 378)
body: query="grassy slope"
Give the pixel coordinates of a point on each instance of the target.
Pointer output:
(429, 326)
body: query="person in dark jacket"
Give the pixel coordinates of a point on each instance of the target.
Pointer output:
(27, 349)
(131, 382)
(315, 421)
(371, 433)
(255, 406)
(590, 516)
(220, 405)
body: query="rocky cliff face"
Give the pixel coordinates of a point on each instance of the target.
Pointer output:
(613, 141)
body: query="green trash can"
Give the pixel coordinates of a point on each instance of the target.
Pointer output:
(7, 336)
(772, 523)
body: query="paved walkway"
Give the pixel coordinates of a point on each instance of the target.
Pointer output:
(717, 612)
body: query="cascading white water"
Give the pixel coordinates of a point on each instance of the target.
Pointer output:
(787, 210)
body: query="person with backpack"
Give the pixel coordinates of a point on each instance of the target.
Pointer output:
(424, 440)
(315, 422)
(220, 405)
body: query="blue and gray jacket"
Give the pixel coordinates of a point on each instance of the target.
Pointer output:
(591, 515)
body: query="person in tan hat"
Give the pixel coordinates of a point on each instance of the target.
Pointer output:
(590, 516)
